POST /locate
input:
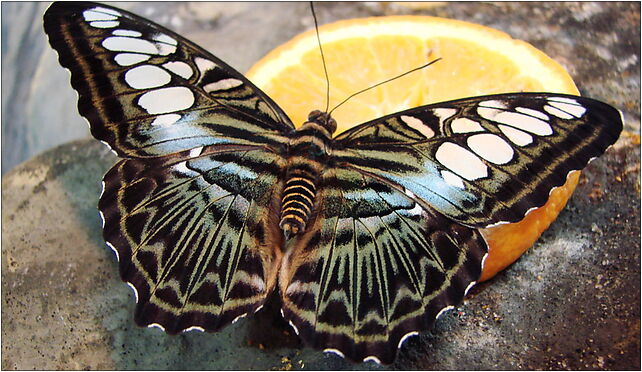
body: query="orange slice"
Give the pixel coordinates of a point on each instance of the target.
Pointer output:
(476, 60)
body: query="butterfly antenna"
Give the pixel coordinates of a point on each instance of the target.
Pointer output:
(383, 82)
(325, 69)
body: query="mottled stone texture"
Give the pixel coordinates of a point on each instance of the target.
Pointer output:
(572, 302)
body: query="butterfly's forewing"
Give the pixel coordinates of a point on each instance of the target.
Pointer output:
(483, 160)
(374, 266)
(147, 91)
(195, 233)
(191, 213)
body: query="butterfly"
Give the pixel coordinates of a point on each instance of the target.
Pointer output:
(369, 235)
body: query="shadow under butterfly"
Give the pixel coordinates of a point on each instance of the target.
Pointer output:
(369, 235)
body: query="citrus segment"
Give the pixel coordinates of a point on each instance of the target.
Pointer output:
(475, 60)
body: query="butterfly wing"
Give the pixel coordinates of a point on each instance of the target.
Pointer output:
(483, 160)
(196, 233)
(147, 91)
(190, 213)
(373, 267)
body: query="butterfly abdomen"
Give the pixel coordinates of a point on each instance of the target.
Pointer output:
(297, 204)
(307, 154)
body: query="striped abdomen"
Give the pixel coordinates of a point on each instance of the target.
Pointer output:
(306, 161)
(297, 204)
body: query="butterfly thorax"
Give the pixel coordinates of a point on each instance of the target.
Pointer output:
(307, 154)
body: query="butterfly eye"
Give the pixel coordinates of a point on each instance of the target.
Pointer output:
(324, 119)
(314, 115)
(331, 125)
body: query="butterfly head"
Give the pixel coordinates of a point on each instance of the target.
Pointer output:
(323, 119)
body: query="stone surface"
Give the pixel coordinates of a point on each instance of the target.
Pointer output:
(572, 302)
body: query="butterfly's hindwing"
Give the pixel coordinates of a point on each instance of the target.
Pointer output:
(147, 91)
(483, 160)
(373, 267)
(196, 233)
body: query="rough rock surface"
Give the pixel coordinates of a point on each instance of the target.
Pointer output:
(571, 302)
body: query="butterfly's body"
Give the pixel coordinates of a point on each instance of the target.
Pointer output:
(307, 157)
(382, 221)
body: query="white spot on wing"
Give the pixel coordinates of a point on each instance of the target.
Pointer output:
(164, 49)
(222, 84)
(416, 210)
(440, 313)
(136, 294)
(470, 286)
(165, 39)
(418, 125)
(166, 120)
(516, 136)
(102, 219)
(296, 330)
(194, 328)
(409, 193)
(491, 147)
(568, 105)
(128, 59)
(103, 142)
(496, 224)
(195, 152)
(452, 179)
(517, 120)
(531, 112)
(557, 112)
(147, 76)
(181, 69)
(96, 15)
(130, 33)
(465, 125)
(572, 101)
(166, 100)
(461, 161)
(156, 325)
(334, 351)
(104, 24)
(182, 168)
(135, 45)
(534, 208)
(129, 44)
(107, 10)
(204, 64)
(484, 260)
(114, 250)
(493, 103)
(405, 337)
(102, 184)
(239, 317)
(258, 308)
(372, 358)
(443, 114)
